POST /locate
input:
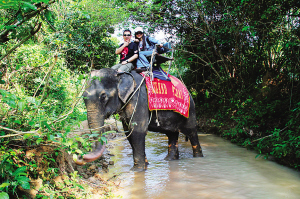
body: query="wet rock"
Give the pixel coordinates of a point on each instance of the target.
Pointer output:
(92, 167)
(88, 173)
(59, 183)
(36, 184)
(29, 193)
(92, 179)
(105, 165)
(85, 176)
(111, 162)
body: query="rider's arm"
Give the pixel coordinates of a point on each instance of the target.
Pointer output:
(119, 50)
(122, 46)
(134, 57)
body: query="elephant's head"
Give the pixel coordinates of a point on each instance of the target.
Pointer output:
(106, 92)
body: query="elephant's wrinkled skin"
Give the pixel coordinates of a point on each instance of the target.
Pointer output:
(107, 96)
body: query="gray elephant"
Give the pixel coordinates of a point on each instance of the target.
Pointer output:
(108, 96)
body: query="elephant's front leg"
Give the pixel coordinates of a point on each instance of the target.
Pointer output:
(137, 142)
(173, 153)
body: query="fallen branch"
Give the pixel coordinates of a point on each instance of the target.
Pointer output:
(17, 132)
(269, 135)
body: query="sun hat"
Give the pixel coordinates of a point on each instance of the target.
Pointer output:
(138, 29)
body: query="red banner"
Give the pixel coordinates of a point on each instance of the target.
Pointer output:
(168, 95)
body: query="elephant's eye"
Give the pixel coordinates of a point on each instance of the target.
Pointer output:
(102, 97)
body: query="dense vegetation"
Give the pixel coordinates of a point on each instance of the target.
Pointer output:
(47, 50)
(239, 59)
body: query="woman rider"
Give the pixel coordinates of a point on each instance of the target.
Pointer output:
(146, 46)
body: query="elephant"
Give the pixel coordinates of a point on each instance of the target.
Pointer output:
(110, 92)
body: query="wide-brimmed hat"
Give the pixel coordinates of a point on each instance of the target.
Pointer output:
(139, 29)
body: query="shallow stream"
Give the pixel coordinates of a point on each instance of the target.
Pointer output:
(225, 171)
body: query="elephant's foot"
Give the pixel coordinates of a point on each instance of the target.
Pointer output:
(196, 155)
(140, 164)
(197, 151)
(138, 169)
(172, 156)
(173, 152)
(169, 158)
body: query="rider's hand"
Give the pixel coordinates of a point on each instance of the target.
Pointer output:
(124, 62)
(136, 40)
(161, 45)
(126, 43)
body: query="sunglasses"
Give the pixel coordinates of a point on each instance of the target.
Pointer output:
(127, 35)
(139, 33)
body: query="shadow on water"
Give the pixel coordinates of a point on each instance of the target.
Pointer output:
(226, 171)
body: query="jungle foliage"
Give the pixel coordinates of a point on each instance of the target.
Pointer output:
(240, 60)
(47, 50)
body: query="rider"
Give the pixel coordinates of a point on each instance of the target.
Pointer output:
(146, 45)
(128, 53)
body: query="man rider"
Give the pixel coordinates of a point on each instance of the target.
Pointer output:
(128, 53)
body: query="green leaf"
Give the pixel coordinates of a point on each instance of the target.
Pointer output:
(107, 132)
(13, 27)
(93, 135)
(45, 1)
(28, 5)
(52, 137)
(4, 92)
(27, 135)
(39, 140)
(81, 77)
(24, 182)
(49, 16)
(5, 184)
(207, 93)
(19, 170)
(80, 139)
(22, 179)
(103, 140)
(21, 105)
(4, 195)
(245, 28)
(18, 122)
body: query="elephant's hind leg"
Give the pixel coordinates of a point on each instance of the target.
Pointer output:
(173, 153)
(193, 137)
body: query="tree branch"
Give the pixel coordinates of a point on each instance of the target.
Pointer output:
(3, 34)
(23, 41)
(17, 132)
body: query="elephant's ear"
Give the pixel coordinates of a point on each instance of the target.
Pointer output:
(125, 87)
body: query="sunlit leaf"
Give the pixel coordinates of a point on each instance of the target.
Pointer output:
(29, 5)
(4, 195)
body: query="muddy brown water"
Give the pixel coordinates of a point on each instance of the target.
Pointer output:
(226, 171)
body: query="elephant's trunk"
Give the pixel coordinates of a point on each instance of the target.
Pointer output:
(96, 122)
